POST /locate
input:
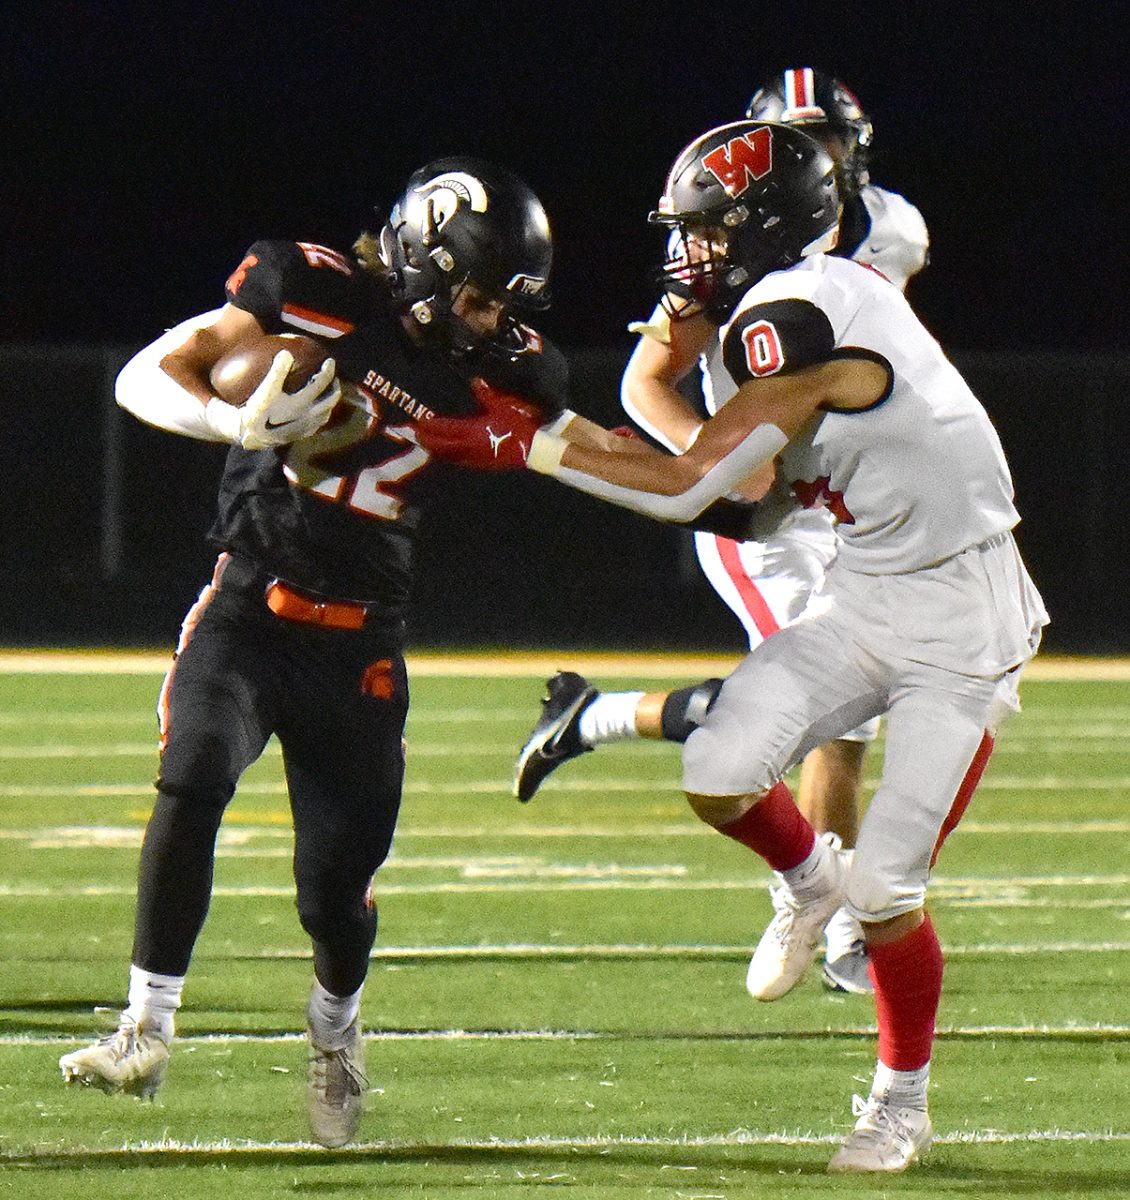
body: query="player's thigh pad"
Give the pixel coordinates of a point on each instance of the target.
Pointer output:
(344, 764)
(802, 687)
(933, 736)
(216, 715)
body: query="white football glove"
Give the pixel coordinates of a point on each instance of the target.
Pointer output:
(274, 417)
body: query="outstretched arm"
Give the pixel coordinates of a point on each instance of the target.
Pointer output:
(745, 436)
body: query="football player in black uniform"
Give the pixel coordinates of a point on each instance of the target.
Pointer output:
(299, 632)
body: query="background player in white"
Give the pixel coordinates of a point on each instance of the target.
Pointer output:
(766, 582)
(927, 614)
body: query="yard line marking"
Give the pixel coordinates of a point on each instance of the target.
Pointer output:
(692, 952)
(518, 664)
(535, 951)
(420, 714)
(241, 829)
(613, 877)
(1068, 1032)
(477, 749)
(664, 752)
(664, 787)
(359, 1151)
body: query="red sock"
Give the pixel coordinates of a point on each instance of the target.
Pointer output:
(775, 829)
(908, 985)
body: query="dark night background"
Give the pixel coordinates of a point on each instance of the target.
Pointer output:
(147, 146)
(150, 144)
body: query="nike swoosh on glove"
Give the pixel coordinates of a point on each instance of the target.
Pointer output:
(274, 417)
(495, 438)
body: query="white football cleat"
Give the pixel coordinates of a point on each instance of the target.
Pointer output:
(885, 1138)
(133, 1059)
(336, 1087)
(789, 943)
(845, 955)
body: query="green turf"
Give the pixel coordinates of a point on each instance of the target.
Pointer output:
(557, 1001)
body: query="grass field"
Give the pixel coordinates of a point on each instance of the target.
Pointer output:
(557, 997)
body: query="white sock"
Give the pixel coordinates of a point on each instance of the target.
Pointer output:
(806, 880)
(901, 1089)
(153, 999)
(611, 717)
(330, 1016)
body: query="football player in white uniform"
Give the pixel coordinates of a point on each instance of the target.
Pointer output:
(765, 581)
(926, 615)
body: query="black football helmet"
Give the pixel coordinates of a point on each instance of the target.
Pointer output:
(742, 200)
(818, 103)
(461, 220)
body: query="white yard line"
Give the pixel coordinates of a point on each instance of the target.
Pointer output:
(1069, 785)
(1067, 1032)
(356, 1150)
(514, 664)
(1086, 741)
(241, 828)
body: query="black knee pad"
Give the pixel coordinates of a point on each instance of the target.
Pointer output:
(685, 709)
(331, 917)
(196, 804)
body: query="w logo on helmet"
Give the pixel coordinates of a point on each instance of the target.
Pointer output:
(741, 161)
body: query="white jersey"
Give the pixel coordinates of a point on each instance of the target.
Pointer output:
(895, 241)
(913, 480)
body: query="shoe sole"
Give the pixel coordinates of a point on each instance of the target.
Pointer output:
(836, 984)
(545, 745)
(852, 1169)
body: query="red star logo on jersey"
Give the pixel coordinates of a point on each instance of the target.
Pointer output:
(816, 493)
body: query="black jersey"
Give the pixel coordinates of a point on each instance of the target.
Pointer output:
(337, 513)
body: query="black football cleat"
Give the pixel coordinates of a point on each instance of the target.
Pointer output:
(556, 737)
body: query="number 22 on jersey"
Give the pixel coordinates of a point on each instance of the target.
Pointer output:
(371, 491)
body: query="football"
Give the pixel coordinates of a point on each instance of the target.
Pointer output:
(239, 372)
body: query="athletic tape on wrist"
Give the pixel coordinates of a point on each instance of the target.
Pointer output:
(545, 454)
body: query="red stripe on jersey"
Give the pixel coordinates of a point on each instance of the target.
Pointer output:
(964, 793)
(317, 318)
(751, 598)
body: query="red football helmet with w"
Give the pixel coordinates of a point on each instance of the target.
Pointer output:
(740, 201)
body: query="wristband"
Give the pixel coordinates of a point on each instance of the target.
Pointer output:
(559, 424)
(223, 419)
(546, 450)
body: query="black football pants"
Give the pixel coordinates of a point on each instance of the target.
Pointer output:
(337, 699)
